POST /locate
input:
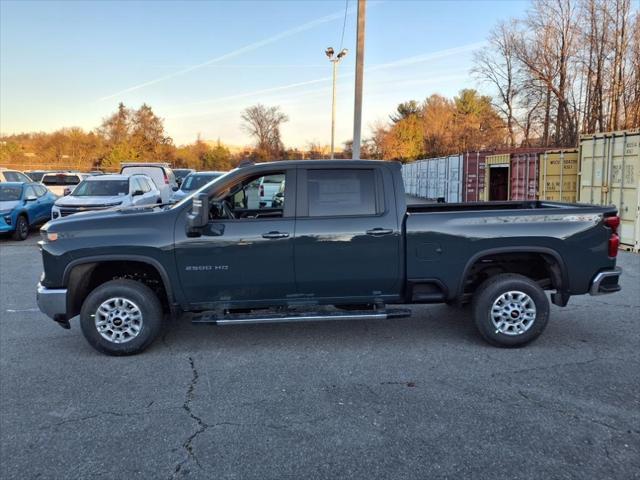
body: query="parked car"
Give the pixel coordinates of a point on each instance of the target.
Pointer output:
(23, 205)
(101, 192)
(9, 175)
(181, 174)
(160, 173)
(62, 183)
(36, 175)
(344, 236)
(193, 182)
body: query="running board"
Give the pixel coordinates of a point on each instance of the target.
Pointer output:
(246, 319)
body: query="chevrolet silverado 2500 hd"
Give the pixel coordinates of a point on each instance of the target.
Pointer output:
(341, 243)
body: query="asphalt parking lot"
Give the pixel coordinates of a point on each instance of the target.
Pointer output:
(421, 397)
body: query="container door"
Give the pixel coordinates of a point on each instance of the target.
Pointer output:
(454, 189)
(623, 187)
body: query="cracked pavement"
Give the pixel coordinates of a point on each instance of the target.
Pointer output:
(421, 397)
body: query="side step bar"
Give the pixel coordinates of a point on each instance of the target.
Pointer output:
(245, 319)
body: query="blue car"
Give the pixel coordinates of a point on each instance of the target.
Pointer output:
(23, 205)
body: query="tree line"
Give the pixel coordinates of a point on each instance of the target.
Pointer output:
(568, 67)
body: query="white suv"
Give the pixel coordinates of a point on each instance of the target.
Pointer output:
(102, 192)
(160, 173)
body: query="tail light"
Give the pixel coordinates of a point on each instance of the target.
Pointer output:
(614, 240)
(166, 178)
(262, 190)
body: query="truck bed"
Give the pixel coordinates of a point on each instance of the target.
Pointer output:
(443, 240)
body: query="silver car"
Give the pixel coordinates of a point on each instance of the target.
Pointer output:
(103, 192)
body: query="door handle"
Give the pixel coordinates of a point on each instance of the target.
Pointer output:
(275, 235)
(377, 232)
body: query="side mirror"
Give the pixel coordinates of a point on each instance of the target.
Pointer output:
(30, 198)
(66, 191)
(137, 193)
(175, 189)
(199, 216)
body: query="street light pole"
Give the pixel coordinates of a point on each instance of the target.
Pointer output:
(335, 61)
(333, 109)
(357, 111)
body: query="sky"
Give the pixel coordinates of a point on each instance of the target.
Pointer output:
(199, 64)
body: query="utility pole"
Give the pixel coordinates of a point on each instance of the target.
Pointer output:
(357, 111)
(335, 61)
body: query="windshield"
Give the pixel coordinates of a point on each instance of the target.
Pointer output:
(101, 188)
(195, 181)
(10, 192)
(215, 181)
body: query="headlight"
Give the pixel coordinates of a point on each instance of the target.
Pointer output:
(48, 236)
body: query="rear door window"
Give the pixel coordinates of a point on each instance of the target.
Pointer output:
(341, 192)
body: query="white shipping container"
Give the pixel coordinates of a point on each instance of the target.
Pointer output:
(434, 178)
(610, 175)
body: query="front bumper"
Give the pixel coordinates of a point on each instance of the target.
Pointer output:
(606, 282)
(6, 227)
(53, 303)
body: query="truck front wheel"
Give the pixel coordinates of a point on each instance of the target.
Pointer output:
(121, 317)
(510, 310)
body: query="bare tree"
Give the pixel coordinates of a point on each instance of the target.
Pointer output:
(547, 53)
(263, 124)
(497, 65)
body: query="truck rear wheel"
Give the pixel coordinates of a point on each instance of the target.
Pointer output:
(510, 310)
(121, 317)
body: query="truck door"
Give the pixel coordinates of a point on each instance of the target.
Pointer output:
(347, 233)
(245, 255)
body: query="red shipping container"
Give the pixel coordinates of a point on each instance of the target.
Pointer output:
(524, 176)
(473, 171)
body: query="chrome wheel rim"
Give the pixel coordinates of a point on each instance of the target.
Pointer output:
(513, 313)
(118, 320)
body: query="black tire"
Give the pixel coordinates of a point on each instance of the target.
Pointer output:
(22, 228)
(142, 297)
(490, 291)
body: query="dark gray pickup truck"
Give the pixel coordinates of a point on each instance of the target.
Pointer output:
(320, 240)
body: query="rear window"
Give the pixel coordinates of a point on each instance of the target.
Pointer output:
(341, 192)
(60, 179)
(101, 188)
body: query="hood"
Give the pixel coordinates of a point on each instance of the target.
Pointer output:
(73, 201)
(8, 205)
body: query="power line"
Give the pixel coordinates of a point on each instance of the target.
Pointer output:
(344, 24)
